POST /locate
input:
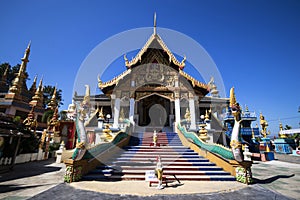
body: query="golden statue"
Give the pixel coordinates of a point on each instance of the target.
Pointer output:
(187, 115)
(122, 115)
(159, 173)
(263, 124)
(107, 133)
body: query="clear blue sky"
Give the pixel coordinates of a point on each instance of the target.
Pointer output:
(255, 44)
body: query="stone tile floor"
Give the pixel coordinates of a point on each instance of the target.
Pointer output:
(44, 180)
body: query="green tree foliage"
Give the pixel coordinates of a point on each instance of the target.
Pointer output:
(287, 127)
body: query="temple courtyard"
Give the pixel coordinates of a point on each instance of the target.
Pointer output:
(277, 179)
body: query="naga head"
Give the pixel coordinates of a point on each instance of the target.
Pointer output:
(235, 107)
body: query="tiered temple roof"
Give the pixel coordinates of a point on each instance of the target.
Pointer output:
(154, 43)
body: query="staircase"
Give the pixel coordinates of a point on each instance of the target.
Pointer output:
(140, 155)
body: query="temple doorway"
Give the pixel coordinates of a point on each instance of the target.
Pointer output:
(154, 111)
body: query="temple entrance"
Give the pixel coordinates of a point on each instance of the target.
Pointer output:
(154, 111)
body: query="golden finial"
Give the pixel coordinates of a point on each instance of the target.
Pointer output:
(232, 97)
(54, 93)
(38, 92)
(27, 52)
(206, 115)
(53, 103)
(86, 97)
(253, 136)
(280, 126)
(182, 63)
(154, 24)
(33, 86)
(99, 80)
(126, 60)
(18, 81)
(101, 115)
(246, 108)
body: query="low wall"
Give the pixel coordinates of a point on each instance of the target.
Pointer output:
(228, 165)
(75, 169)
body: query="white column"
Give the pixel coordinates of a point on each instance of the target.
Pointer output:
(131, 110)
(177, 110)
(193, 115)
(116, 113)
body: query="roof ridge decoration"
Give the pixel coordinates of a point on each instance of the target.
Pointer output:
(111, 82)
(138, 57)
(193, 80)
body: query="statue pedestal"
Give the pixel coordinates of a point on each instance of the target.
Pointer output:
(265, 146)
(284, 145)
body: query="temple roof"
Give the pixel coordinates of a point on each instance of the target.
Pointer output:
(154, 43)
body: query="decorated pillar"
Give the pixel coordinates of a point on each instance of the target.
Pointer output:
(193, 114)
(116, 112)
(131, 110)
(177, 107)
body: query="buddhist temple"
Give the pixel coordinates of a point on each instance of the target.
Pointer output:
(17, 100)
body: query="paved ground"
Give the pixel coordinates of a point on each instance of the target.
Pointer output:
(43, 180)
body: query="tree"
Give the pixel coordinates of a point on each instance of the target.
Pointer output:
(287, 127)
(48, 92)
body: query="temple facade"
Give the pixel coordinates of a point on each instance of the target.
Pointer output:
(154, 92)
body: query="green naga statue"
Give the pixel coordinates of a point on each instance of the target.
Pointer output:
(235, 142)
(82, 111)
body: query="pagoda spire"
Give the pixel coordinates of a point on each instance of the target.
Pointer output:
(53, 103)
(18, 81)
(33, 86)
(154, 24)
(37, 99)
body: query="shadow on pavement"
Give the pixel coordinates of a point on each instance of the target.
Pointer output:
(29, 169)
(271, 179)
(12, 187)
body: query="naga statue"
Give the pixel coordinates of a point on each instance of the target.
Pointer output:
(235, 141)
(82, 111)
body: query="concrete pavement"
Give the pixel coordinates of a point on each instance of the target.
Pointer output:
(44, 180)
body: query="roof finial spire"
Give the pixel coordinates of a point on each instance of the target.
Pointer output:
(154, 25)
(18, 81)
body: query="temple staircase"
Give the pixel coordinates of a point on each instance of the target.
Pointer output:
(140, 155)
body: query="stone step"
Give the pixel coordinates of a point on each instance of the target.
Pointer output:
(170, 177)
(151, 167)
(145, 153)
(162, 155)
(147, 163)
(171, 172)
(164, 159)
(140, 156)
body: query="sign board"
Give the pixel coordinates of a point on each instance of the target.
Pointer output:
(150, 176)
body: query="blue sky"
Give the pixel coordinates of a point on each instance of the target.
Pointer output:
(255, 44)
